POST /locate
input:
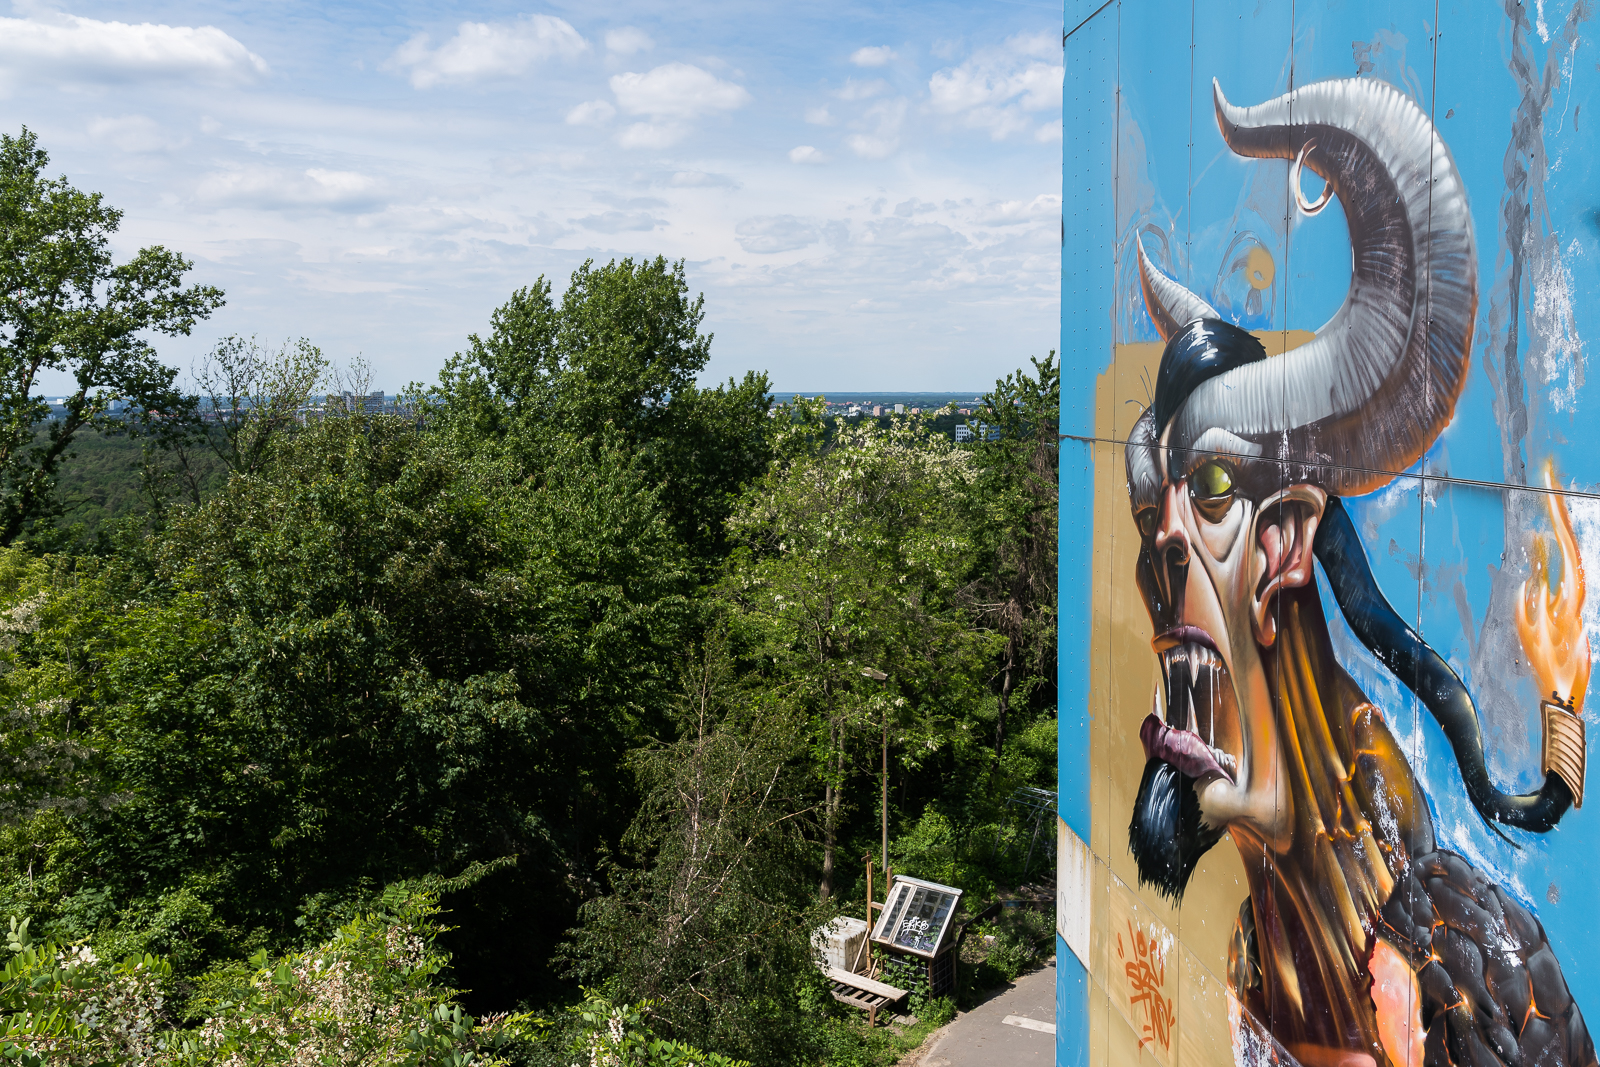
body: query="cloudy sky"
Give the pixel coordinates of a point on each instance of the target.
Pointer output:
(867, 193)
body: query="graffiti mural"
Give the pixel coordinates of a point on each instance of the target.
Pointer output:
(1325, 801)
(1360, 933)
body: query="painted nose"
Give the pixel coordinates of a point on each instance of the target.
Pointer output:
(1171, 548)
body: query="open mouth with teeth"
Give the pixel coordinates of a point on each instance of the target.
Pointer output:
(1191, 737)
(1200, 722)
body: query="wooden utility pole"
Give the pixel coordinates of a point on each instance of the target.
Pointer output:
(879, 676)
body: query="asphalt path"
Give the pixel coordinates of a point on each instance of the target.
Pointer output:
(1016, 1026)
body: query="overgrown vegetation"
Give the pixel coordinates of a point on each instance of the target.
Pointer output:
(534, 723)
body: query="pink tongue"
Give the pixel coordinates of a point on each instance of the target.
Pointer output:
(1180, 748)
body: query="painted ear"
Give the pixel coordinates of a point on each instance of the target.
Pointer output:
(1286, 529)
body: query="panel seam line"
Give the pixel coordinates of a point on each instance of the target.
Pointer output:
(1085, 22)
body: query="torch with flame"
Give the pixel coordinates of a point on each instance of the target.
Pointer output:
(1550, 626)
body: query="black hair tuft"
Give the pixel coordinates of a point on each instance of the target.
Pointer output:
(1201, 350)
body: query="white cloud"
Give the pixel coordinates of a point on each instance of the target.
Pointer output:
(1041, 45)
(627, 40)
(806, 154)
(266, 187)
(1021, 212)
(67, 45)
(676, 91)
(652, 135)
(514, 166)
(818, 116)
(874, 56)
(590, 113)
(134, 133)
(620, 222)
(1000, 89)
(487, 50)
(699, 179)
(768, 234)
(881, 125)
(854, 90)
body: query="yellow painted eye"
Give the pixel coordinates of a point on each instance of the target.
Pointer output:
(1211, 480)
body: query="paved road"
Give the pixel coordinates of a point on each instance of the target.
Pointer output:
(982, 1037)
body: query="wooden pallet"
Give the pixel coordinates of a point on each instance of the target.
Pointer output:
(859, 991)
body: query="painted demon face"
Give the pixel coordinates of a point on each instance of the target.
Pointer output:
(1218, 544)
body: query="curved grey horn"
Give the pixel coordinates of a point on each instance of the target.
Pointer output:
(1171, 306)
(1142, 459)
(1379, 381)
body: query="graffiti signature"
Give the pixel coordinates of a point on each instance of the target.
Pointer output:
(1147, 977)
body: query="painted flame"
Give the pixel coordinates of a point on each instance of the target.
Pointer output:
(1550, 624)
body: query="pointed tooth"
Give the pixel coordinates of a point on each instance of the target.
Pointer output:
(1194, 721)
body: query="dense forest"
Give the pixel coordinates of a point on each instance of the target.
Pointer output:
(543, 720)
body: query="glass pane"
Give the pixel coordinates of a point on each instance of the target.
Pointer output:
(923, 922)
(891, 913)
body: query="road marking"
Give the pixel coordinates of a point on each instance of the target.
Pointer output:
(1029, 1024)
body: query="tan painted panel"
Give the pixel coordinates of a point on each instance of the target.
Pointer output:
(1122, 654)
(1204, 1035)
(1143, 972)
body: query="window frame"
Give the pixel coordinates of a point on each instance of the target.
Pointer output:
(902, 892)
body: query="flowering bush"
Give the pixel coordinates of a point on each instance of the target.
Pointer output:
(368, 996)
(64, 1006)
(616, 1035)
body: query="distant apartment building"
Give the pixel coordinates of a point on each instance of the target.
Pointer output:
(968, 432)
(899, 409)
(877, 410)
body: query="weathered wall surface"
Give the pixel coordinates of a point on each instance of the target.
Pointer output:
(1331, 517)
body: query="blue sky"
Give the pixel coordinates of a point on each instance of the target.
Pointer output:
(867, 194)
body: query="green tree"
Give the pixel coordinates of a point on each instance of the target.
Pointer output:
(382, 661)
(1014, 592)
(710, 923)
(850, 558)
(620, 350)
(65, 306)
(256, 395)
(250, 399)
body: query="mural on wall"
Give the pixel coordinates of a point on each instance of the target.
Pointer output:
(1363, 939)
